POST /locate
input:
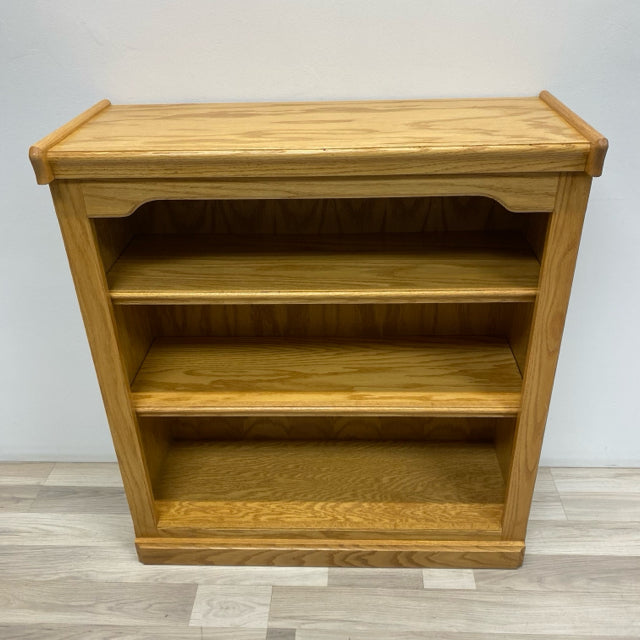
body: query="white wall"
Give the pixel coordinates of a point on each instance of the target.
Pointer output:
(57, 58)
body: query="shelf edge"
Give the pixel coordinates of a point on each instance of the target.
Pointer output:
(238, 404)
(525, 294)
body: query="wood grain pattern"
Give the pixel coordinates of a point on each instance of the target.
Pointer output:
(566, 574)
(602, 506)
(324, 215)
(338, 553)
(589, 480)
(155, 442)
(379, 403)
(182, 376)
(112, 236)
(24, 473)
(322, 138)
(383, 634)
(83, 602)
(38, 153)
(87, 474)
(354, 486)
(556, 275)
(102, 563)
(78, 529)
(583, 538)
(231, 606)
(391, 610)
(281, 634)
(301, 269)
(135, 335)
(519, 333)
(544, 481)
(546, 506)
(503, 438)
(61, 631)
(517, 192)
(324, 320)
(387, 578)
(16, 498)
(80, 500)
(314, 519)
(599, 144)
(316, 471)
(327, 428)
(91, 288)
(453, 579)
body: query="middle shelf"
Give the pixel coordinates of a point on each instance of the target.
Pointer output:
(314, 376)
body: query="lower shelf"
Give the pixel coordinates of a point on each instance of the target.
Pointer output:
(330, 489)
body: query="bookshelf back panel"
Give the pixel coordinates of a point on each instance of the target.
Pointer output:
(436, 429)
(333, 320)
(326, 215)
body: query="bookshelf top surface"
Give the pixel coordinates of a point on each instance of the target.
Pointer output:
(388, 137)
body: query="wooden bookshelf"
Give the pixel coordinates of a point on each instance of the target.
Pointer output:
(325, 333)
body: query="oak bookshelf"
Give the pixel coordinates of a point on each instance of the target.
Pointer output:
(325, 333)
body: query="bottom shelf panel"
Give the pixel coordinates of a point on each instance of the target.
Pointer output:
(321, 489)
(468, 554)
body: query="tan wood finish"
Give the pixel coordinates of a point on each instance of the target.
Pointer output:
(155, 441)
(91, 288)
(338, 553)
(599, 144)
(286, 428)
(503, 440)
(196, 376)
(321, 335)
(135, 335)
(39, 151)
(320, 320)
(556, 276)
(297, 269)
(324, 485)
(517, 192)
(300, 139)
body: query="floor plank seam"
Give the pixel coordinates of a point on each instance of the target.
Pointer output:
(53, 467)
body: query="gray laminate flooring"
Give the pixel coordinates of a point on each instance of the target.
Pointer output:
(68, 570)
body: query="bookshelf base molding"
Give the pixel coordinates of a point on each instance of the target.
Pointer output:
(325, 333)
(497, 554)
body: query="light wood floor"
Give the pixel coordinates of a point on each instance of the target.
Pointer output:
(68, 571)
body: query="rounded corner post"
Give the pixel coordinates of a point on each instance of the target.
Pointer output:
(41, 167)
(38, 152)
(598, 143)
(598, 153)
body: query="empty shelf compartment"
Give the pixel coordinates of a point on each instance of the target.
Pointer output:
(412, 488)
